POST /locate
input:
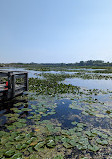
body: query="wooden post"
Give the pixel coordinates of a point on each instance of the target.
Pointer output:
(26, 81)
(9, 80)
(13, 86)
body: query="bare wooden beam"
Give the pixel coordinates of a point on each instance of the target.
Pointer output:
(20, 73)
(20, 76)
(3, 74)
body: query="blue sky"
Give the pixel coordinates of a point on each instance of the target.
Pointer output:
(52, 31)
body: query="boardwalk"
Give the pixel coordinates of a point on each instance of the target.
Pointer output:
(12, 83)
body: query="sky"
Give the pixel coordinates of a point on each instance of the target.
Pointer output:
(55, 31)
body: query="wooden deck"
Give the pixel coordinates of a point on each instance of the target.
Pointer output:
(14, 86)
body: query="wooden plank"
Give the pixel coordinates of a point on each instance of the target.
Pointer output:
(3, 74)
(20, 87)
(18, 93)
(2, 91)
(20, 76)
(20, 73)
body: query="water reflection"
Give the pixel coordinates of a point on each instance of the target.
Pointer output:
(5, 108)
(90, 83)
(64, 113)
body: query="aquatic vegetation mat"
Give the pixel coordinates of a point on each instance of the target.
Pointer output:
(57, 121)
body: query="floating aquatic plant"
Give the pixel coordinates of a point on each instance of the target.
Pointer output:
(29, 134)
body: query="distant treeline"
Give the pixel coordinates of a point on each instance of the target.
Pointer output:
(89, 63)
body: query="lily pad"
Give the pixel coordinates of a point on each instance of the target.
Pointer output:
(79, 129)
(35, 156)
(19, 146)
(19, 124)
(30, 149)
(9, 144)
(93, 148)
(17, 111)
(25, 109)
(39, 145)
(17, 155)
(78, 134)
(9, 153)
(67, 145)
(14, 134)
(88, 133)
(83, 141)
(81, 125)
(79, 146)
(30, 140)
(51, 143)
(24, 146)
(73, 142)
(19, 138)
(2, 133)
(11, 138)
(11, 127)
(58, 157)
(4, 140)
(22, 120)
(57, 138)
(102, 142)
(29, 135)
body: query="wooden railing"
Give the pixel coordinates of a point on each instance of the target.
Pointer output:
(13, 89)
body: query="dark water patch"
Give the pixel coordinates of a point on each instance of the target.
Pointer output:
(93, 121)
(63, 113)
(6, 108)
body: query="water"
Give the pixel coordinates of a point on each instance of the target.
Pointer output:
(90, 83)
(64, 115)
(86, 69)
(34, 74)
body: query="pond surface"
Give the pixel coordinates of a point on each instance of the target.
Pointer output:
(90, 83)
(34, 74)
(61, 126)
